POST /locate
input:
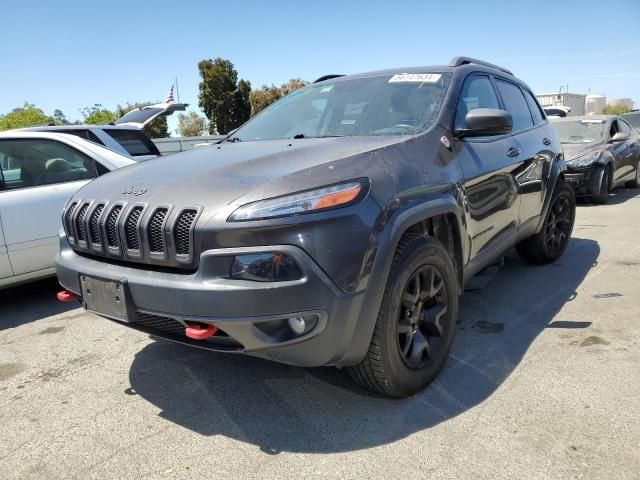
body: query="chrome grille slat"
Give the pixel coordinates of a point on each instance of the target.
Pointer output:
(113, 240)
(80, 225)
(182, 233)
(131, 229)
(156, 232)
(94, 227)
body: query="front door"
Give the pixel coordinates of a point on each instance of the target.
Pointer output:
(5, 266)
(489, 166)
(39, 175)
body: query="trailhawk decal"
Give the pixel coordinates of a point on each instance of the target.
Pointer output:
(415, 77)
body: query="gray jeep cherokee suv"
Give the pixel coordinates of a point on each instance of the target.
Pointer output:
(337, 227)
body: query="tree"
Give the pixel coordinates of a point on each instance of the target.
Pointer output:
(60, 118)
(158, 128)
(224, 101)
(191, 125)
(26, 116)
(261, 99)
(612, 109)
(97, 115)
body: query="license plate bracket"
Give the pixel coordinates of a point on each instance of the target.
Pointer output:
(109, 298)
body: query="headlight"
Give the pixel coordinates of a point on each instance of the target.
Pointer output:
(304, 202)
(586, 159)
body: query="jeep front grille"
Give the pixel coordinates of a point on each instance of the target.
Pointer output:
(154, 235)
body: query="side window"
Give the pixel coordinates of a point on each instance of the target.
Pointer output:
(538, 114)
(477, 92)
(624, 127)
(515, 104)
(614, 128)
(93, 138)
(34, 162)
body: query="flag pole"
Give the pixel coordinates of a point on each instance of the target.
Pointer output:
(177, 90)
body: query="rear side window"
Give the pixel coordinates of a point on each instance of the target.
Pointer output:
(515, 104)
(34, 162)
(538, 114)
(477, 92)
(81, 132)
(134, 141)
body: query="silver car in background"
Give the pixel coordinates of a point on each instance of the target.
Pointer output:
(39, 171)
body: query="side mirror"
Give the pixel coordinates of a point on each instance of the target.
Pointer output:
(482, 122)
(619, 137)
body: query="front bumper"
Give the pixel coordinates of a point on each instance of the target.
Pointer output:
(251, 315)
(581, 179)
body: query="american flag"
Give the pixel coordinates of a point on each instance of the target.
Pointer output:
(169, 98)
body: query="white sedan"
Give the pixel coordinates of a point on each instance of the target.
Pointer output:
(39, 171)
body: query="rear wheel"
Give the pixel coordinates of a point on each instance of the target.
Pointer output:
(550, 243)
(601, 185)
(416, 322)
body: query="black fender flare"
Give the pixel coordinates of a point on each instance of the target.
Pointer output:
(556, 173)
(387, 245)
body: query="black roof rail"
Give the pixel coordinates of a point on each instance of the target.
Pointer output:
(458, 61)
(328, 77)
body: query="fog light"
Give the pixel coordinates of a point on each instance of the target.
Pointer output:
(298, 325)
(265, 267)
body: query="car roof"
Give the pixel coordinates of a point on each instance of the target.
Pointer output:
(587, 117)
(62, 128)
(462, 64)
(116, 159)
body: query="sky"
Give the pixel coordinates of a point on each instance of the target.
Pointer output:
(71, 54)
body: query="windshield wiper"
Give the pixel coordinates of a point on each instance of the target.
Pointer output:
(233, 139)
(302, 135)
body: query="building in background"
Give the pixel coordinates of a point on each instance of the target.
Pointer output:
(595, 103)
(575, 101)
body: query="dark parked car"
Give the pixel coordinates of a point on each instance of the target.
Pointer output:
(602, 152)
(337, 227)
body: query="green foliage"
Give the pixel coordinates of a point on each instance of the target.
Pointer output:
(223, 100)
(26, 116)
(97, 115)
(262, 98)
(191, 125)
(614, 109)
(158, 128)
(59, 118)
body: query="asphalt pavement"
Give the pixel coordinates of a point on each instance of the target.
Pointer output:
(543, 382)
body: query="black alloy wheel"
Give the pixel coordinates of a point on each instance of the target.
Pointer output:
(421, 326)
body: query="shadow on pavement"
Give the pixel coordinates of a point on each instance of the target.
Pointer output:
(281, 408)
(29, 302)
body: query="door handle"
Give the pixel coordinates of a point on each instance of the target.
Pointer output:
(546, 141)
(513, 152)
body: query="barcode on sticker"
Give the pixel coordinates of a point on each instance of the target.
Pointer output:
(415, 77)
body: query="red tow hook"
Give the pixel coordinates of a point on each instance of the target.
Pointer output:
(66, 296)
(198, 332)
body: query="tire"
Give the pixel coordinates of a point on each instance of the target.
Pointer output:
(550, 243)
(601, 183)
(635, 183)
(410, 344)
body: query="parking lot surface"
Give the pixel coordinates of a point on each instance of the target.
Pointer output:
(543, 382)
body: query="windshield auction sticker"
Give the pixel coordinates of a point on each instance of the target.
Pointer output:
(415, 77)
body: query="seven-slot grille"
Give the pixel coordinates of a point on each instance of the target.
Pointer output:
(156, 235)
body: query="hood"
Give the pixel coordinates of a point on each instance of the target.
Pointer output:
(575, 150)
(218, 175)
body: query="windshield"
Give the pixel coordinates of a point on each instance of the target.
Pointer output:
(580, 131)
(380, 105)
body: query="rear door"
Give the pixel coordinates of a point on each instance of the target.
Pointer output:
(490, 186)
(5, 266)
(625, 152)
(39, 175)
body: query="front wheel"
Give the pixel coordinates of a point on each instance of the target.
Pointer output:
(550, 243)
(416, 322)
(601, 182)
